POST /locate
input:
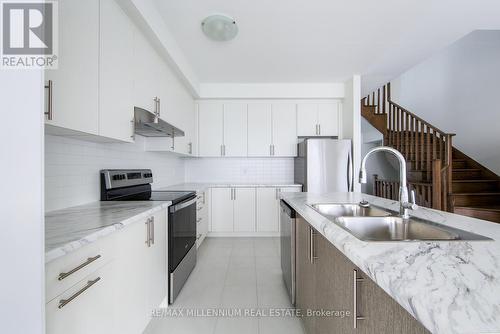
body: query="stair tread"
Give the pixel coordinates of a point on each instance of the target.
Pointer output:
(474, 181)
(480, 207)
(490, 193)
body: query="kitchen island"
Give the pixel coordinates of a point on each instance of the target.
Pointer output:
(448, 286)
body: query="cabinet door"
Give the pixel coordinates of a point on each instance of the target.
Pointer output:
(210, 122)
(267, 210)
(75, 82)
(305, 275)
(89, 312)
(244, 209)
(284, 130)
(132, 298)
(307, 119)
(381, 312)
(144, 72)
(222, 210)
(259, 129)
(235, 129)
(116, 106)
(334, 287)
(157, 259)
(328, 119)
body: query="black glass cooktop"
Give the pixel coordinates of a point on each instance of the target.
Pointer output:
(174, 196)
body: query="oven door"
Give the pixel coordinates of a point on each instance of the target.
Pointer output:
(181, 231)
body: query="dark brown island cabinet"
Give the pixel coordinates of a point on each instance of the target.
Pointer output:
(335, 296)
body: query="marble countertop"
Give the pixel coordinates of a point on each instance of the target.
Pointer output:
(202, 186)
(69, 229)
(449, 287)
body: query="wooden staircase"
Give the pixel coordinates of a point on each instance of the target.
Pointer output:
(443, 177)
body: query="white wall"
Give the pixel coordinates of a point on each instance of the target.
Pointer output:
(72, 168)
(240, 170)
(457, 90)
(351, 122)
(22, 287)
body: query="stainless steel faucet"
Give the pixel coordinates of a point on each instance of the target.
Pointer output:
(404, 204)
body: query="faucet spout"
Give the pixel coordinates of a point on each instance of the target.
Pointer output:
(403, 188)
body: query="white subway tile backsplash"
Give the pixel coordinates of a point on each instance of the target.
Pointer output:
(72, 168)
(240, 170)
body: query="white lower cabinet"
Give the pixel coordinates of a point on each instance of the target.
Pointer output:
(201, 216)
(233, 209)
(87, 307)
(267, 206)
(246, 210)
(221, 200)
(142, 273)
(119, 290)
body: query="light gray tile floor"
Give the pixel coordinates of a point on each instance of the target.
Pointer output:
(232, 273)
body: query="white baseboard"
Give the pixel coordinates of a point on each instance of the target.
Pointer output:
(243, 234)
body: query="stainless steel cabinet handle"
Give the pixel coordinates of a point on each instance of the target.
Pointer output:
(270, 149)
(74, 270)
(148, 233)
(64, 302)
(234, 194)
(50, 100)
(190, 148)
(152, 230)
(312, 257)
(224, 150)
(173, 140)
(355, 281)
(273, 150)
(319, 129)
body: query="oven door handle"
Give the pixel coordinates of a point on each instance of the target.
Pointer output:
(182, 205)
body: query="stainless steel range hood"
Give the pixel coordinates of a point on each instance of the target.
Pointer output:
(148, 124)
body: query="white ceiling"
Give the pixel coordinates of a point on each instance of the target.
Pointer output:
(322, 40)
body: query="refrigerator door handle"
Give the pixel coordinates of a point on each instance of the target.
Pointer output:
(350, 173)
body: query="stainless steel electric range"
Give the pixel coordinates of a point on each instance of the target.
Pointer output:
(135, 185)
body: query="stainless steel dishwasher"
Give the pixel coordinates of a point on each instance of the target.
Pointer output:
(287, 245)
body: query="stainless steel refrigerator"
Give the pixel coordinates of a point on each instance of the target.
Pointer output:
(324, 165)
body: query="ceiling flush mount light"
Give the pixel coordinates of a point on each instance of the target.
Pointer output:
(219, 27)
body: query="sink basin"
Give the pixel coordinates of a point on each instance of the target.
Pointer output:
(332, 211)
(398, 229)
(377, 224)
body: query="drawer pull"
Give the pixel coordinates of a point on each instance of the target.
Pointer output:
(74, 270)
(64, 302)
(198, 220)
(355, 281)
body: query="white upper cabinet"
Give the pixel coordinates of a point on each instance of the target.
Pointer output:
(211, 129)
(328, 119)
(146, 82)
(235, 129)
(116, 79)
(307, 119)
(75, 87)
(259, 129)
(284, 131)
(318, 119)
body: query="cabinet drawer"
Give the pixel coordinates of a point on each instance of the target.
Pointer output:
(66, 271)
(86, 307)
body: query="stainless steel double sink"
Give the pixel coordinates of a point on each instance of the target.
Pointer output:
(377, 224)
